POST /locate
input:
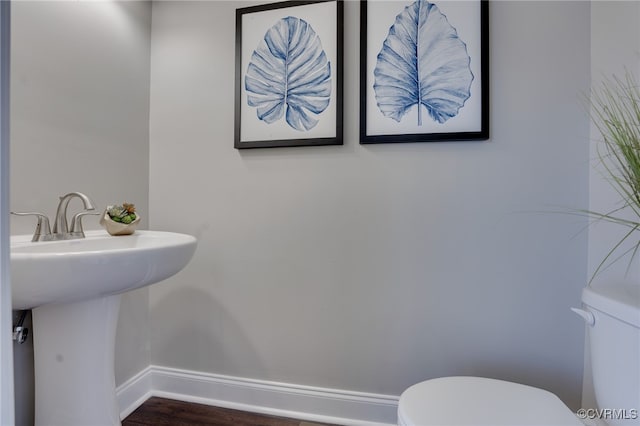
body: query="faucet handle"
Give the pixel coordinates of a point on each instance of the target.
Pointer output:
(43, 220)
(76, 221)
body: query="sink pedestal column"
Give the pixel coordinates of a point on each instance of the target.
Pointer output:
(74, 363)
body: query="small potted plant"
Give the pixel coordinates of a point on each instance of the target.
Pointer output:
(120, 220)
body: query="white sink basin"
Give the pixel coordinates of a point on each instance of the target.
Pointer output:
(98, 265)
(74, 287)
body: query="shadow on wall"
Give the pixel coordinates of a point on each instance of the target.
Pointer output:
(200, 340)
(201, 345)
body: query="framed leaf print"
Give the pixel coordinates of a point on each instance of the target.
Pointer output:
(288, 85)
(424, 70)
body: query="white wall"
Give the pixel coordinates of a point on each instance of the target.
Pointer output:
(370, 268)
(79, 122)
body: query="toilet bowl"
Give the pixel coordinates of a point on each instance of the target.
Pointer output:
(477, 401)
(612, 314)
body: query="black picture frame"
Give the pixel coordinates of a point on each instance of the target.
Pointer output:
(471, 119)
(268, 112)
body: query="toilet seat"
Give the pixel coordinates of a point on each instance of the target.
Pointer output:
(476, 401)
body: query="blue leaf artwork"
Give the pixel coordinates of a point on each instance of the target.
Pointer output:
(423, 62)
(289, 70)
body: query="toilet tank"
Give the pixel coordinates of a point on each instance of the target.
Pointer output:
(615, 350)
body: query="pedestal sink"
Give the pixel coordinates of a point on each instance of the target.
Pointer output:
(74, 288)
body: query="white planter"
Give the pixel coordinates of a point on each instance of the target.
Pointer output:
(117, 228)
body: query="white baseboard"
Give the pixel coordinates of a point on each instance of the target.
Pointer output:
(259, 396)
(132, 393)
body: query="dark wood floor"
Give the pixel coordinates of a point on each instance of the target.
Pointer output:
(164, 412)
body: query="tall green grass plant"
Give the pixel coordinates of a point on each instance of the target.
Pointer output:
(615, 111)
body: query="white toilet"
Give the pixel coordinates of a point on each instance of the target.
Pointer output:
(613, 316)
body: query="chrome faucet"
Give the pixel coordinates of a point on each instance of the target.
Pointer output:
(61, 224)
